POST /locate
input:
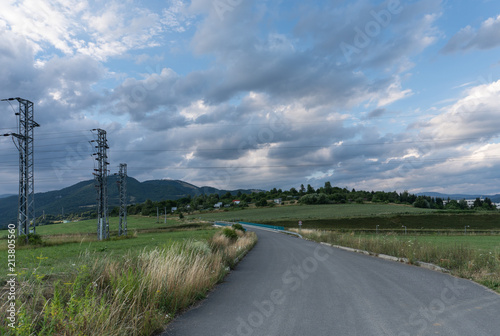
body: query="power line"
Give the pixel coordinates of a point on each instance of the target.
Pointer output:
(25, 139)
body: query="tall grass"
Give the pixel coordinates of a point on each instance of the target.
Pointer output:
(461, 260)
(135, 294)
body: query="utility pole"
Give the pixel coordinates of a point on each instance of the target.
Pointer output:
(122, 188)
(25, 137)
(101, 184)
(165, 215)
(157, 215)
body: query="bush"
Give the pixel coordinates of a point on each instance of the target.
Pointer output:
(320, 198)
(239, 227)
(33, 239)
(262, 202)
(230, 233)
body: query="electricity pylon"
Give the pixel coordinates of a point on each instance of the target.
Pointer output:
(101, 184)
(25, 137)
(122, 188)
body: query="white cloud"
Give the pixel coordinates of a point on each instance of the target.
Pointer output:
(100, 30)
(393, 93)
(473, 116)
(487, 36)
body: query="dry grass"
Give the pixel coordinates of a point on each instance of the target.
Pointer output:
(482, 267)
(129, 295)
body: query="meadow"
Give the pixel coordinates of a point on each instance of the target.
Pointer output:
(73, 284)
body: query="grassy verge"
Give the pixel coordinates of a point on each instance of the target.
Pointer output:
(108, 290)
(480, 265)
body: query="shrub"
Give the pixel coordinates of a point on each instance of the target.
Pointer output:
(33, 239)
(238, 226)
(262, 202)
(230, 233)
(320, 198)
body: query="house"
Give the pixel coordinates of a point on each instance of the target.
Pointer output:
(174, 209)
(278, 200)
(218, 205)
(470, 202)
(236, 202)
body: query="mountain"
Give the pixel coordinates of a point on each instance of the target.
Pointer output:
(6, 195)
(494, 198)
(82, 196)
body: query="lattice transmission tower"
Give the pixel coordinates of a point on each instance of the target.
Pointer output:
(122, 188)
(25, 137)
(101, 184)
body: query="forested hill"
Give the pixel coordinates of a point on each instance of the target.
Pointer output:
(82, 196)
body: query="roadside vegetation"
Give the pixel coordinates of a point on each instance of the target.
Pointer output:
(480, 263)
(122, 286)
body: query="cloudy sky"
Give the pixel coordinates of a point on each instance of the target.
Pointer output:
(375, 95)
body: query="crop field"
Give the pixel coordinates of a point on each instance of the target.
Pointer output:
(364, 217)
(308, 212)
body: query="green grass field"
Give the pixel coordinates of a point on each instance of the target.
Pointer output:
(58, 259)
(90, 226)
(72, 284)
(77, 238)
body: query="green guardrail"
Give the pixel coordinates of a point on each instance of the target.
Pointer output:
(264, 226)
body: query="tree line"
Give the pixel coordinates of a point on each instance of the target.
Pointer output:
(326, 194)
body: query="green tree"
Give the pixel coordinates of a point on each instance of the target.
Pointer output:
(261, 202)
(421, 202)
(328, 188)
(463, 204)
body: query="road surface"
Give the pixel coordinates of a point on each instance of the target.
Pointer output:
(289, 286)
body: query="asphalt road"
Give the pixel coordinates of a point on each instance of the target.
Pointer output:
(289, 286)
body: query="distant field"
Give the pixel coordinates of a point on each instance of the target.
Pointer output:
(90, 226)
(418, 223)
(363, 217)
(307, 212)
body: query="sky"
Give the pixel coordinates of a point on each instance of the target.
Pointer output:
(373, 95)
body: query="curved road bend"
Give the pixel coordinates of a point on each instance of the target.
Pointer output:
(289, 286)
